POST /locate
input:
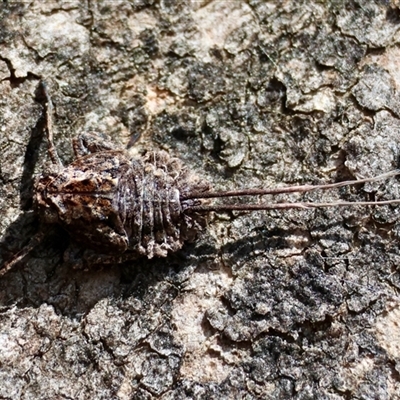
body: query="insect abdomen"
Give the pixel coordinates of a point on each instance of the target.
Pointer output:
(151, 210)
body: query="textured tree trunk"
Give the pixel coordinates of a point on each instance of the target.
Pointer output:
(295, 304)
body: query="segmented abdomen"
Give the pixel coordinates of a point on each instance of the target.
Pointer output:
(150, 205)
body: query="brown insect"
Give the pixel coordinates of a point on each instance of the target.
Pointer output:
(120, 208)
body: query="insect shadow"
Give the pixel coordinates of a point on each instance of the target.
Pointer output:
(27, 223)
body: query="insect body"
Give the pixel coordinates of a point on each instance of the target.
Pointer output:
(121, 208)
(116, 205)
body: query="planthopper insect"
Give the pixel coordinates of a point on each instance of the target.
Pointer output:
(118, 209)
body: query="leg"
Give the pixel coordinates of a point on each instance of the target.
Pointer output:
(88, 143)
(49, 125)
(36, 239)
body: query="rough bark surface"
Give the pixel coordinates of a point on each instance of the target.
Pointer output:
(267, 305)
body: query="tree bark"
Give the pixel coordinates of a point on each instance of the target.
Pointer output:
(294, 304)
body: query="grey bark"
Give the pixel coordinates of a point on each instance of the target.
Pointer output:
(268, 305)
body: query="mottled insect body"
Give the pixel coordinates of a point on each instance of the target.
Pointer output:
(118, 209)
(114, 205)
